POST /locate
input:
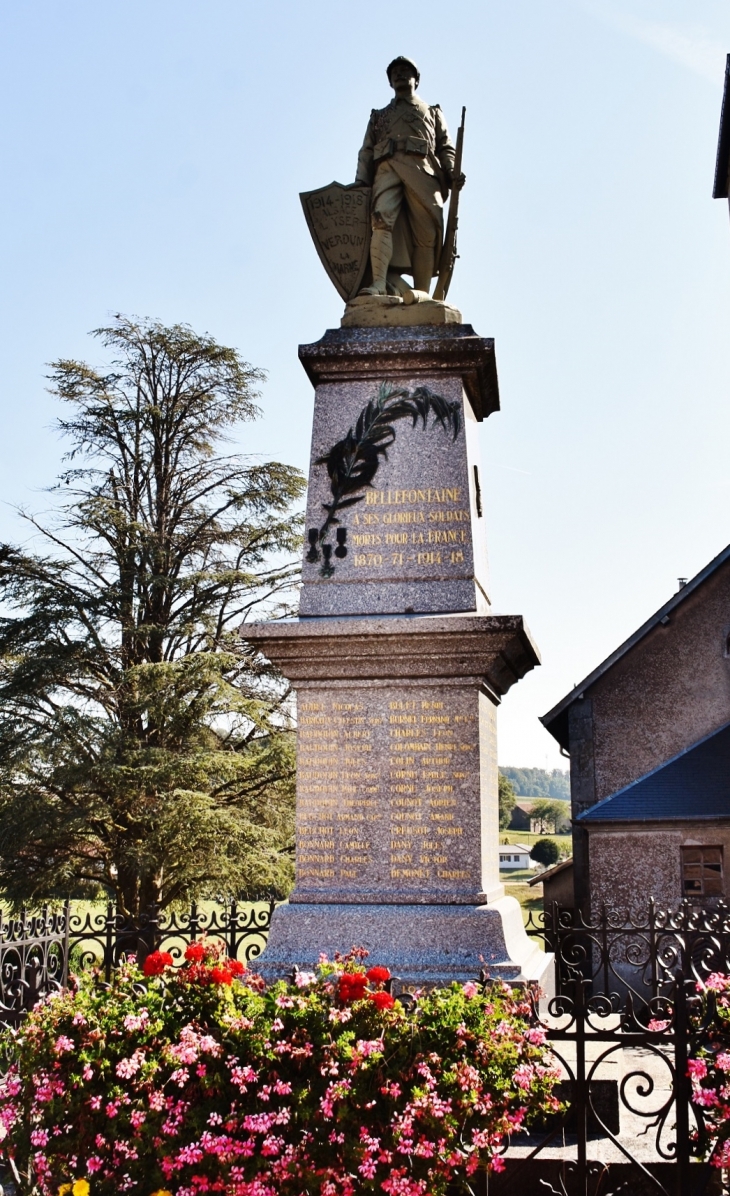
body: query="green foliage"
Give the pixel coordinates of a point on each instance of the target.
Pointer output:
(507, 800)
(195, 1079)
(144, 748)
(539, 782)
(550, 816)
(546, 851)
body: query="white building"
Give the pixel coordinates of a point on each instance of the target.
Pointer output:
(513, 856)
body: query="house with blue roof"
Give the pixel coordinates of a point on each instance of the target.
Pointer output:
(648, 735)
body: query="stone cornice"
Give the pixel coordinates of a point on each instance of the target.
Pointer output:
(493, 651)
(347, 354)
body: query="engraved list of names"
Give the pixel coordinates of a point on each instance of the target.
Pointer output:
(388, 794)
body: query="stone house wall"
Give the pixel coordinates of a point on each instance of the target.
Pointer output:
(632, 862)
(670, 690)
(667, 692)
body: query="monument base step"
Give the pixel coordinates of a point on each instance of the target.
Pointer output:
(420, 944)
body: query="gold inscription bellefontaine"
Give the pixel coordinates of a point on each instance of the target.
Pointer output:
(415, 528)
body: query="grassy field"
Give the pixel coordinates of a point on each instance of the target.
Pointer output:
(516, 875)
(529, 898)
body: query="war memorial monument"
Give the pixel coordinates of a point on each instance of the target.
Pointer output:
(397, 662)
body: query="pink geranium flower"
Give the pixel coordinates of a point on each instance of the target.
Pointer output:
(205, 1071)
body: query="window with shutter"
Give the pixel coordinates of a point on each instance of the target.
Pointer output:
(702, 872)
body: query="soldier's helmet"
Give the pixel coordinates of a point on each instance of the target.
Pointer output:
(409, 62)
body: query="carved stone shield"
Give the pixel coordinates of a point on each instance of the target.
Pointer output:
(339, 221)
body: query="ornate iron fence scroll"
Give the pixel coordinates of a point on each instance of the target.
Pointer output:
(626, 1019)
(624, 953)
(38, 950)
(102, 938)
(33, 959)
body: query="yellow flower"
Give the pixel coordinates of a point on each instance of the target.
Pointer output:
(64, 1189)
(80, 1188)
(162, 1192)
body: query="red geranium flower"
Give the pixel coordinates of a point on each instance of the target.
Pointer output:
(382, 1000)
(378, 975)
(352, 986)
(195, 952)
(235, 968)
(155, 964)
(220, 975)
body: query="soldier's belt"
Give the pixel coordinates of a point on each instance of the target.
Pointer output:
(405, 145)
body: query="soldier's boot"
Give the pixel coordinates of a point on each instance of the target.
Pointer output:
(399, 286)
(381, 251)
(423, 259)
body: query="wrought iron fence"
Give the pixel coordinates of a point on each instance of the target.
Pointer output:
(623, 954)
(37, 950)
(626, 1018)
(102, 938)
(34, 950)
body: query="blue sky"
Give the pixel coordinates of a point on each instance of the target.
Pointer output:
(152, 158)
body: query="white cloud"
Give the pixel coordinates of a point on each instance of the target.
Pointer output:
(691, 46)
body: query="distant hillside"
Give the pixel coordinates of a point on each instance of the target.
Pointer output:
(538, 782)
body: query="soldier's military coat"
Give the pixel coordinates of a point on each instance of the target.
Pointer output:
(408, 159)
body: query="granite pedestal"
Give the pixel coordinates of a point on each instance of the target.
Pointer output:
(399, 668)
(420, 944)
(415, 539)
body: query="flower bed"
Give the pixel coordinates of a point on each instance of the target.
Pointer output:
(201, 1079)
(710, 1073)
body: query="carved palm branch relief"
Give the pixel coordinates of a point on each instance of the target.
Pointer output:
(353, 462)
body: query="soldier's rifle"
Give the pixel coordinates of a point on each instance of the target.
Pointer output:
(449, 254)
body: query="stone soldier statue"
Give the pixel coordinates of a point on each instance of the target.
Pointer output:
(408, 159)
